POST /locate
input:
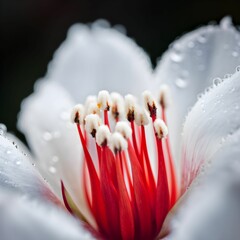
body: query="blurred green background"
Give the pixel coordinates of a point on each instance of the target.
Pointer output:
(31, 30)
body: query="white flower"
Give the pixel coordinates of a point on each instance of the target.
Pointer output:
(139, 185)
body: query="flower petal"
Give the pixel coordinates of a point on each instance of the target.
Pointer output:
(17, 173)
(96, 57)
(213, 209)
(212, 120)
(22, 219)
(45, 121)
(190, 65)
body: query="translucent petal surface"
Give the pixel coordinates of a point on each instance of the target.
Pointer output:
(45, 121)
(191, 64)
(17, 173)
(213, 210)
(22, 219)
(98, 57)
(215, 116)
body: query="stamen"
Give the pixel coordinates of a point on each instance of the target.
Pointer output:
(93, 109)
(104, 100)
(150, 104)
(125, 198)
(102, 136)
(92, 122)
(164, 96)
(141, 117)
(124, 129)
(130, 106)
(89, 100)
(117, 108)
(160, 128)
(77, 115)
(117, 143)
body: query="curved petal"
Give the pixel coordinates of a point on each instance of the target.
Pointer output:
(45, 121)
(97, 57)
(17, 173)
(190, 65)
(213, 209)
(214, 117)
(22, 219)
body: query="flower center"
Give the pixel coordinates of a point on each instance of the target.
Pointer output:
(128, 188)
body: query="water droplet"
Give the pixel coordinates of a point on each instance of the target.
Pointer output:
(52, 169)
(232, 90)
(226, 23)
(33, 164)
(217, 81)
(238, 68)
(3, 129)
(55, 159)
(236, 106)
(18, 163)
(176, 56)
(191, 44)
(56, 134)
(202, 39)
(226, 76)
(47, 136)
(8, 152)
(235, 54)
(181, 82)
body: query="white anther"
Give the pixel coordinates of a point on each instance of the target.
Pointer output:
(117, 108)
(93, 108)
(141, 117)
(104, 100)
(148, 100)
(92, 122)
(117, 143)
(102, 136)
(89, 100)
(160, 128)
(164, 96)
(124, 129)
(77, 114)
(130, 106)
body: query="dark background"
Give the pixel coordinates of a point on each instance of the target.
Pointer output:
(31, 30)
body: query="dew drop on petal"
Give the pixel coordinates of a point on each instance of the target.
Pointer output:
(176, 56)
(8, 152)
(55, 159)
(18, 163)
(235, 54)
(217, 81)
(238, 68)
(202, 39)
(47, 136)
(3, 129)
(52, 169)
(191, 44)
(181, 83)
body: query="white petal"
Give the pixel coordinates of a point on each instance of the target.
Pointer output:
(45, 121)
(212, 120)
(213, 209)
(191, 64)
(17, 173)
(94, 58)
(22, 219)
